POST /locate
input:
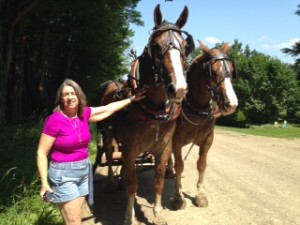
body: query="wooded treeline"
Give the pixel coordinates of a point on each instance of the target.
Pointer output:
(43, 42)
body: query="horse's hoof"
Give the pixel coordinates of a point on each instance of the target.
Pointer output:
(169, 174)
(179, 203)
(159, 220)
(131, 222)
(201, 201)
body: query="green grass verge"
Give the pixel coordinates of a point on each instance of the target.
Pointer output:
(292, 131)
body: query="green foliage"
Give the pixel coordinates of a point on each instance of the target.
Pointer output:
(297, 115)
(240, 116)
(265, 87)
(295, 49)
(18, 153)
(26, 208)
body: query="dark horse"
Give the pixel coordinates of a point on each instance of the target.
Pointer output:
(210, 95)
(148, 125)
(108, 92)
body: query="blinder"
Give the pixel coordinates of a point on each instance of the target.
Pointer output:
(166, 26)
(225, 58)
(225, 73)
(190, 43)
(156, 52)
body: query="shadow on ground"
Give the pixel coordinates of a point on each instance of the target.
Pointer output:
(109, 208)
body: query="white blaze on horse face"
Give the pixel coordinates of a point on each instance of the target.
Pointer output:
(233, 101)
(178, 70)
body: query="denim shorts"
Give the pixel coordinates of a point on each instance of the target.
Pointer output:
(68, 180)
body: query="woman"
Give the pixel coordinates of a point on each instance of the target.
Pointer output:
(66, 134)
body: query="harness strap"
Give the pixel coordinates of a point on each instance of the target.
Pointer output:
(170, 113)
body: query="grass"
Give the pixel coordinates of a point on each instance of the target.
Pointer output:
(19, 183)
(290, 132)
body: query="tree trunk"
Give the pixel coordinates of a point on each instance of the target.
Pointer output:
(8, 57)
(43, 99)
(18, 82)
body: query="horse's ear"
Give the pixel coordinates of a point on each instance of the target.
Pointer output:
(204, 48)
(183, 17)
(157, 16)
(226, 48)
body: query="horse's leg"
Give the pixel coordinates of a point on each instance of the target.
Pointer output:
(201, 199)
(179, 201)
(109, 149)
(170, 169)
(131, 186)
(98, 157)
(159, 181)
(100, 151)
(111, 184)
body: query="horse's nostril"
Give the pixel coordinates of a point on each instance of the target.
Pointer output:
(171, 89)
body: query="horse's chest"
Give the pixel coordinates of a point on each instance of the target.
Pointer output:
(191, 132)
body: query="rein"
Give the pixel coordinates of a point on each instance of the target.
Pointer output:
(206, 114)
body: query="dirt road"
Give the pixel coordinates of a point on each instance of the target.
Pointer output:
(249, 181)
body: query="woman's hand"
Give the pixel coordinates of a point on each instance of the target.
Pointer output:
(140, 94)
(44, 190)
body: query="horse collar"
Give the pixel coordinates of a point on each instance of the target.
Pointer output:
(168, 114)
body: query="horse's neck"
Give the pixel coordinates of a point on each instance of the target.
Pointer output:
(198, 89)
(157, 96)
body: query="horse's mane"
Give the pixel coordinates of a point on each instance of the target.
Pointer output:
(101, 90)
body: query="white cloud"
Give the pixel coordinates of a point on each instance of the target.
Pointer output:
(212, 40)
(271, 44)
(288, 44)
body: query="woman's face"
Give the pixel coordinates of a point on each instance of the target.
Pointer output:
(69, 98)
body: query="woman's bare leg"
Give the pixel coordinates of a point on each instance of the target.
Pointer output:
(72, 211)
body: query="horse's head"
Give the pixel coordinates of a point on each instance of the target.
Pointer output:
(219, 73)
(167, 50)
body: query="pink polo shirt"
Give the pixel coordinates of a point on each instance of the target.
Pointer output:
(72, 135)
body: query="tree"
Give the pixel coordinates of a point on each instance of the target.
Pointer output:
(295, 50)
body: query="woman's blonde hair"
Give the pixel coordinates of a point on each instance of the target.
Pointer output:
(80, 95)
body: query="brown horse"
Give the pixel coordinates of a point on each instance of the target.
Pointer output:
(109, 91)
(210, 95)
(148, 125)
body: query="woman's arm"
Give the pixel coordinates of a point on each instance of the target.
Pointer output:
(102, 112)
(43, 150)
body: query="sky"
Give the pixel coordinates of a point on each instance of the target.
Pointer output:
(266, 26)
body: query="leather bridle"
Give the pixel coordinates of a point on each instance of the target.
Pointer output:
(226, 73)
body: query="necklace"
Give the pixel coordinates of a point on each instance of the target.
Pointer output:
(76, 127)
